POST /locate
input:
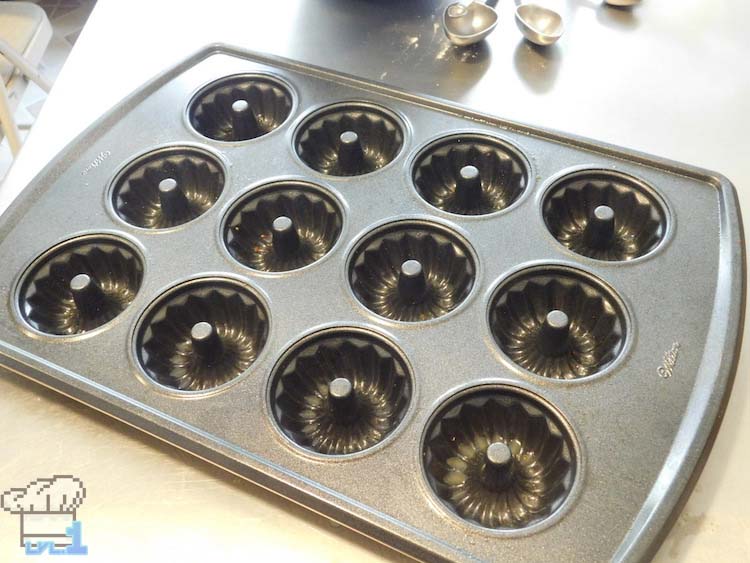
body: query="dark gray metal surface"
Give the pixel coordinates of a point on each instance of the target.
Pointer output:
(639, 436)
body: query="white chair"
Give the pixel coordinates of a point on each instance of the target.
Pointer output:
(25, 32)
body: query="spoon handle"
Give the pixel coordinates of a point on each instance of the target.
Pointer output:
(491, 3)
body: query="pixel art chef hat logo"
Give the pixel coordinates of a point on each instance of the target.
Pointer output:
(47, 509)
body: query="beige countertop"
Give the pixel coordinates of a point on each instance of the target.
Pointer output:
(668, 81)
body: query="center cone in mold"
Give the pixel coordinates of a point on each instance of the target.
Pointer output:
(206, 341)
(174, 203)
(351, 155)
(600, 228)
(412, 283)
(343, 399)
(87, 295)
(498, 472)
(468, 187)
(285, 238)
(243, 120)
(555, 333)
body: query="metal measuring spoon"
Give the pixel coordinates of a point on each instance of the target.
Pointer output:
(466, 25)
(539, 25)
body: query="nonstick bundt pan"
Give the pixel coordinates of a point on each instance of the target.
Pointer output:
(469, 339)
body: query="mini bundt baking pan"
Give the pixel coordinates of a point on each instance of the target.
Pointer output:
(349, 139)
(445, 330)
(341, 391)
(283, 226)
(201, 334)
(558, 322)
(80, 285)
(499, 458)
(412, 271)
(470, 174)
(167, 187)
(241, 107)
(605, 215)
